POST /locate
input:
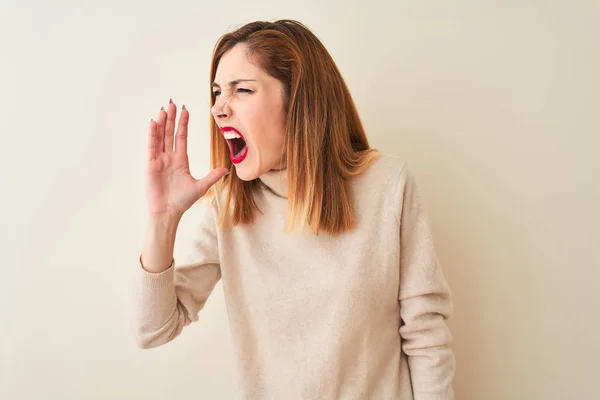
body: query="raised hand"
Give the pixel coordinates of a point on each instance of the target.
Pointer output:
(171, 189)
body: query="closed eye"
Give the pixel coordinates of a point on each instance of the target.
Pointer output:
(240, 90)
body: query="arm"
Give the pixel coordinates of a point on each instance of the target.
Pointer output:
(169, 299)
(425, 301)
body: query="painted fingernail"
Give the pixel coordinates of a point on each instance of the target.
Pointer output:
(162, 108)
(183, 107)
(170, 101)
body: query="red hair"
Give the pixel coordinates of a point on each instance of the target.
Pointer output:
(325, 140)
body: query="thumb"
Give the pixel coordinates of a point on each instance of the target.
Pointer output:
(210, 179)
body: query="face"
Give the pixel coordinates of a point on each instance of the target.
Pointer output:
(249, 110)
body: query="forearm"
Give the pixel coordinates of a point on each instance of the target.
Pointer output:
(426, 342)
(167, 297)
(157, 253)
(159, 316)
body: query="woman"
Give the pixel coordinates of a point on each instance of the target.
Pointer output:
(331, 282)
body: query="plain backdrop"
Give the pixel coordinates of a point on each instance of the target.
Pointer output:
(495, 105)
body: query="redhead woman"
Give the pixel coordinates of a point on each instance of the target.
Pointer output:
(322, 243)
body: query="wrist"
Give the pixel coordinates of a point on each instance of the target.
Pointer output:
(163, 221)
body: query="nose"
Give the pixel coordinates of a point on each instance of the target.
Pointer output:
(221, 109)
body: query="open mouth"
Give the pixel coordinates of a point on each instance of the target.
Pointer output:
(238, 149)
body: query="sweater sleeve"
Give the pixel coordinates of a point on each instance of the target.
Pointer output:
(425, 301)
(166, 302)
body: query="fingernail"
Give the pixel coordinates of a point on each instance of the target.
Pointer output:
(227, 173)
(170, 101)
(183, 107)
(162, 108)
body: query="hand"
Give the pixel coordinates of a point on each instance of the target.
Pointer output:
(171, 189)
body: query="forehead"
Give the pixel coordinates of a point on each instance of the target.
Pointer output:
(234, 64)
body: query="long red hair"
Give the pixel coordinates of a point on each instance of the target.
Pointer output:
(325, 142)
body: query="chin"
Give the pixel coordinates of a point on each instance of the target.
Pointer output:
(250, 169)
(245, 175)
(246, 171)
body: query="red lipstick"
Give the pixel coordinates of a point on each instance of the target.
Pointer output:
(238, 148)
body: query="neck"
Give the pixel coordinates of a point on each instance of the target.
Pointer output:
(276, 181)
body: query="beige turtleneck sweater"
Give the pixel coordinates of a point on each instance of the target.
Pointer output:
(357, 316)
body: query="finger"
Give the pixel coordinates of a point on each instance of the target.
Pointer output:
(170, 126)
(182, 132)
(152, 140)
(160, 122)
(210, 179)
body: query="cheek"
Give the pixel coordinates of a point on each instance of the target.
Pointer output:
(261, 121)
(264, 124)
(251, 113)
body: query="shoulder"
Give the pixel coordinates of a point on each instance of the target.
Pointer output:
(384, 174)
(388, 180)
(389, 164)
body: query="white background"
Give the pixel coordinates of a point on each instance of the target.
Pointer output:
(495, 105)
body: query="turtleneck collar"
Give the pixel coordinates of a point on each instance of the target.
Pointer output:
(276, 182)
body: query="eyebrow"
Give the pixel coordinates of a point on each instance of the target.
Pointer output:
(232, 83)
